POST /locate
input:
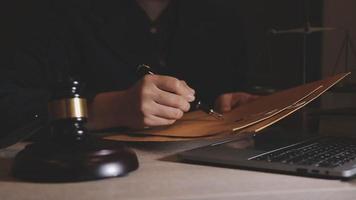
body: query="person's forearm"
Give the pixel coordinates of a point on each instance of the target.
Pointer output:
(108, 110)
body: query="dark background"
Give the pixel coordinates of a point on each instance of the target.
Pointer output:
(275, 61)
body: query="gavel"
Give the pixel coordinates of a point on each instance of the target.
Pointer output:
(70, 153)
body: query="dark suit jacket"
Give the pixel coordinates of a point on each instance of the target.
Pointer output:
(102, 41)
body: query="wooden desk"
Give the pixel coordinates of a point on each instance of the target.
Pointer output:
(157, 179)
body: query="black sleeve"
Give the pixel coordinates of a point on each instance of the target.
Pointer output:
(44, 50)
(237, 47)
(24, 72)
(23, 92)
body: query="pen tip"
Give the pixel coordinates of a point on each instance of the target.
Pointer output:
(217, 115)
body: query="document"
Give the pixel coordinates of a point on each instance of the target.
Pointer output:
(251, 117)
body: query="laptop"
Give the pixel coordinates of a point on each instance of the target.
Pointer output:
(276, 150)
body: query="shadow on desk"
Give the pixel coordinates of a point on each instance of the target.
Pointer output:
(7, 156)
(5, 170)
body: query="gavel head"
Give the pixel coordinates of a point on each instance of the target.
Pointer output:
(68, 101)
(68, 111)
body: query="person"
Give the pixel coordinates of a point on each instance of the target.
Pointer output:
(197, 48)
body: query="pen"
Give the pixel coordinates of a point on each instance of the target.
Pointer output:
(143, 69)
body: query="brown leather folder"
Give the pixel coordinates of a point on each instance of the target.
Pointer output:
(251, 117)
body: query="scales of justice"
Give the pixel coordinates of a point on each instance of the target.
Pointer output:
(347, 46)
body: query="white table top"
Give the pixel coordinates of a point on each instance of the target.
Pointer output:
(158, 179)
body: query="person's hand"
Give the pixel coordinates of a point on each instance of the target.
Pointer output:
(153, 101)
(228, 101)
(158, 100)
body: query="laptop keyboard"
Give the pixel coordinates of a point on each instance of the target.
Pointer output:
(326, 152)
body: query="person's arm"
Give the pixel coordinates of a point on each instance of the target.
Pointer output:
(153, 101)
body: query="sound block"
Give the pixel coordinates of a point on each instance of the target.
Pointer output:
(83, 160)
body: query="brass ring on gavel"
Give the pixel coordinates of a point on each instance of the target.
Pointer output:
(68, 108)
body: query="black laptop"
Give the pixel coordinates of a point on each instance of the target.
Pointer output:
(279, 151)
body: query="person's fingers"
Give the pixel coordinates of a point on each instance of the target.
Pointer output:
(223, 103)
(228, 101)
(254, 97)
(242, 98)
(171, 100)
(186, 85)
(152, 114)
(167, 112)
(238, 99)
(173, 85)
(156, 121)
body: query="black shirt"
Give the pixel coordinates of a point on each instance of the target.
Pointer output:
(102, 41)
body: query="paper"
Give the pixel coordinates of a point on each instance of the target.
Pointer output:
(251, 117)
